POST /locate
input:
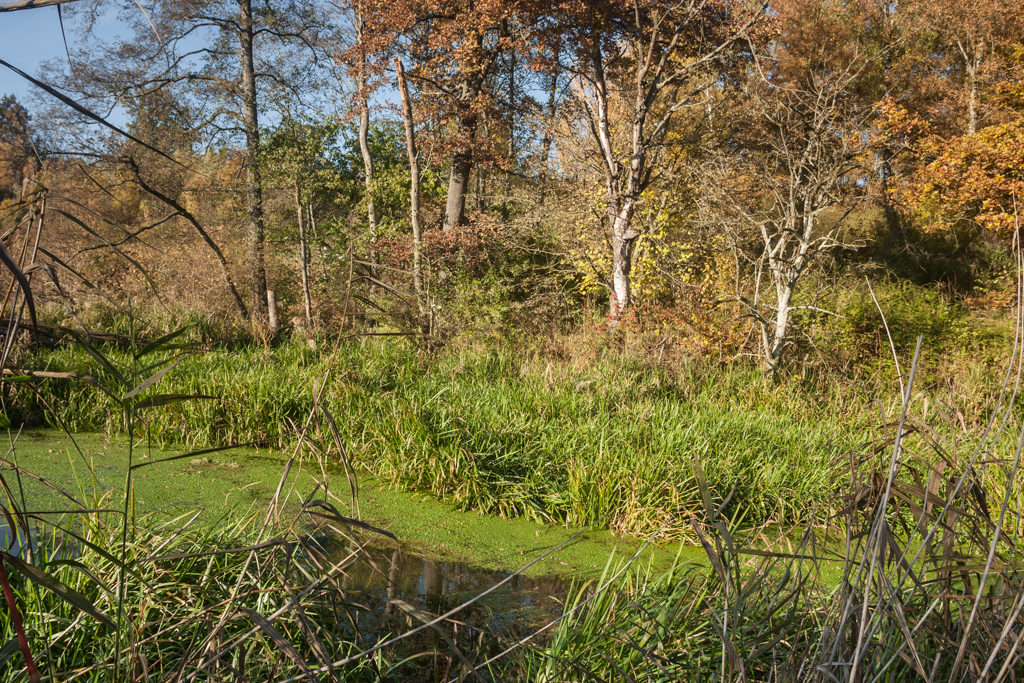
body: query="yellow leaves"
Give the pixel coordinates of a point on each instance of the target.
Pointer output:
(970, 178)
(662, 257)
(895, 123)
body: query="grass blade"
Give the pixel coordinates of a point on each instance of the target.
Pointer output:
(69, 595)
(153, 379)
(156, 344)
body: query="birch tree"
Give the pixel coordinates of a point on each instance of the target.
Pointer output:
(635, 66)
(414, 194)
(783, 179)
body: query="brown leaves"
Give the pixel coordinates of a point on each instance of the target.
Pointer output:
(971, 177)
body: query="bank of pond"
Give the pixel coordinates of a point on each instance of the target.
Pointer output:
(256, 564)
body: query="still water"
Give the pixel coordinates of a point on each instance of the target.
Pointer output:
(436, 585)
(431, 584)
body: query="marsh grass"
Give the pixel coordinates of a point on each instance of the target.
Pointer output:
(915, 575)
(496, 432)
(907, 582)
(219, 604)
(95, 595)
(907, 566)
(910, 571)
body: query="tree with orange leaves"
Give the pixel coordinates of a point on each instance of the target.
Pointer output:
(453, 49)
(975, 178)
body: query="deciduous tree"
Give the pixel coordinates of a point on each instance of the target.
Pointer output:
(223, 57)
(636, 65)
(453, 49)
(788, 170)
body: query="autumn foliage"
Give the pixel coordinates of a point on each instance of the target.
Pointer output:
(651, 161)
(978, 178)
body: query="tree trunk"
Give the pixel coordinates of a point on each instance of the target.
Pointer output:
(364, 146)
(272, 319)
(623, 238)
(414, 193)
(253, 181)
(307, 300)
(972, 105)
(891, 218)
(458, 183)
(622, 194)
(781, 331)
(547, 140)
(511, 129)
(462, 159)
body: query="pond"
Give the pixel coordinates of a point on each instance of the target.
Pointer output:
(436, 585)
(229, 484)
(443, 557)
(433, 584)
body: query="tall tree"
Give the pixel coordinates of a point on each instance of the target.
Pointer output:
(304, 157)
(414, 193)
(961, 53)
(454, 49)
(636, 65)
(223, 56)
(787, 170)
(363, 88)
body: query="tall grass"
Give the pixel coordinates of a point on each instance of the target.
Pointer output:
(916, 574)
(907, 567)
(218, 604)
(914, 580)
(95, 595)
(495, 431)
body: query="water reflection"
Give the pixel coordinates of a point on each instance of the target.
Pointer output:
(42, 541)
(9, 541)
(434, 585)
(438, 585)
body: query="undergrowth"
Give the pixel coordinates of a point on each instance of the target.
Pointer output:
(497, 431)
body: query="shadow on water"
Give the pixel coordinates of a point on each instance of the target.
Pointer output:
(433, 585)
(436, 585)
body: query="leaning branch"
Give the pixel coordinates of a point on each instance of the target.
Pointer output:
(205, 236)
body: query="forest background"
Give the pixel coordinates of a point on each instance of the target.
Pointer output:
(742, 274)
(721, 177)
(778, 197)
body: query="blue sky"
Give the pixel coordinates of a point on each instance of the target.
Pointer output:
(28, 38)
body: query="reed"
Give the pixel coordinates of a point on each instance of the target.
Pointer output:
(488, 430)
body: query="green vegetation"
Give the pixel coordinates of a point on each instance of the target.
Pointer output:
(572, 432)
(654, 341)
(159, 599)
(612, 443)
(239, 482)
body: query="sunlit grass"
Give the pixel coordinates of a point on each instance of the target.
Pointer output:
(493, 431)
